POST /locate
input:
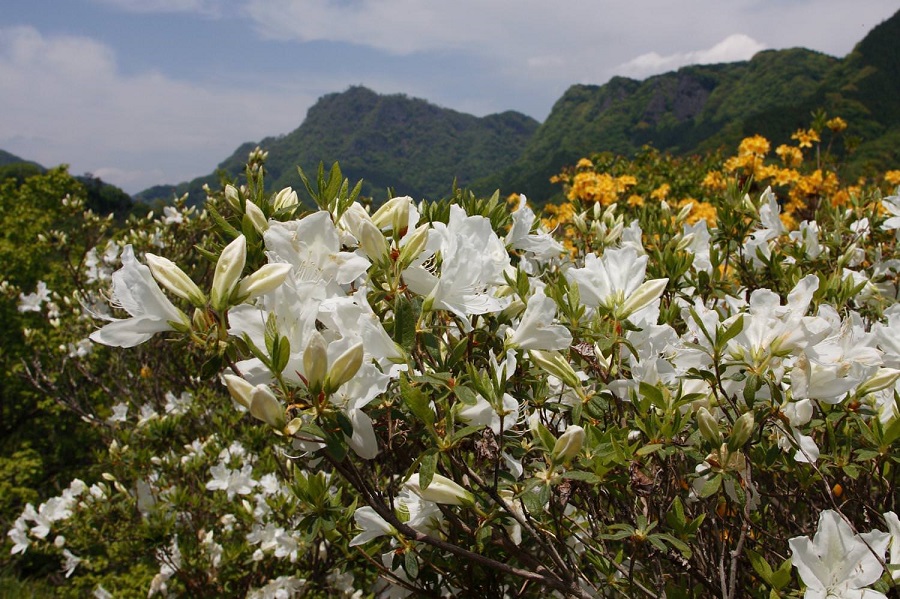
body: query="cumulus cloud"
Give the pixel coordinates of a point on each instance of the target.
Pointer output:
(733, 48)
(64, 99)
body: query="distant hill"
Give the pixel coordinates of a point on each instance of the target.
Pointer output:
(409, 144)
(101, 197)
(700, 108)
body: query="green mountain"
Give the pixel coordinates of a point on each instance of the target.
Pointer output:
(101, 197)
(700, 108)
(409, 144)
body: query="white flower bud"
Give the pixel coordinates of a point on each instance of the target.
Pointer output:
(231, 196)
(643, 296)
(569, 444)
(392, 212)
(315, 362)
(175, 280)
(441, 490)
(266, 407)
(882, 379)
(266, 279)
(239, 389)
(344, 368)
(228, 272)
(414, 245)
(257, 218)
(286, 198)
(554, 363)
(372, 241)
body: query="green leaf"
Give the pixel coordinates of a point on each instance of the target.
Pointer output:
(675, 516)
(711, 487)
(465, 432)
(761, 566)
(652, 393)
(416, 401)
(411, 564)
(588, 477)
(427, 466)
(545, 437)
(648, 449)
(782, 576)
(731, 332)
(465, 395)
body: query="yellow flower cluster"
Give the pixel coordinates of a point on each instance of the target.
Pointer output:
(750, 158)
(590, 186)
(791, 156)
(806, 137)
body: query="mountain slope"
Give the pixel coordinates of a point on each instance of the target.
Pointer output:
(388, 140)
(703, 108)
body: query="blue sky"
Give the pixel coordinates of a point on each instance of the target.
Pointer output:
(143, 92)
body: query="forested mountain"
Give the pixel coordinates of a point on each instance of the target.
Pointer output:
(700, 108)
(410, 144)
(420, 149)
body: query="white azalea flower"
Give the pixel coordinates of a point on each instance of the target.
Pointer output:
(540, 244)
(373, 526)
(837, 564)
(616, 282)
(135, 291)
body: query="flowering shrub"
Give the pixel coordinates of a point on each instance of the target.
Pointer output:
(438, 398)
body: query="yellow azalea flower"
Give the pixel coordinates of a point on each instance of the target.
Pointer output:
(806, 138)
(841, 198)
(791, 156)
(785, 176)
(661, 192)
(756, 145)
(714, 181)
(635, 200)
(837, 124)
(584, 163)
(892, 178)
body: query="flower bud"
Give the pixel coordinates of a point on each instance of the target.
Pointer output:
(614, 233)
(414, 245)
(266, 279)
(741, 431)
(441, 490)
(391, 213)
(315, 362)
(684, 212)
(882, 379)
(685, 242)
(555, 364)
(228, 272)
(569, 444)
(344, 368)
(231, 196)
(266, 407)
(286, 198)
(643, 296)
(709, 427)
(239, 389)
(372, 241)
(256, 216)
(175, 280)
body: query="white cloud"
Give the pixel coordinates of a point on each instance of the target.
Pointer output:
(204, 7)
(63, 99)
(733, 48)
